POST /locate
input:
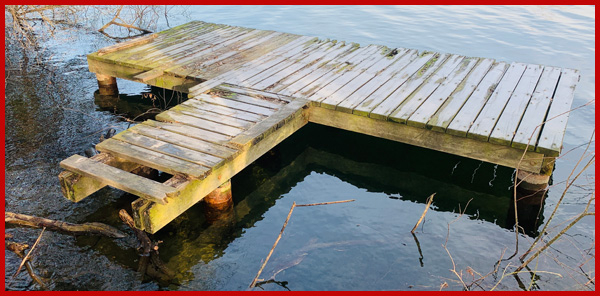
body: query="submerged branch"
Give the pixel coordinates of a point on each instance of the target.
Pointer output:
(90, 228)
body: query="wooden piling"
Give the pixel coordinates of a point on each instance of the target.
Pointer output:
(219, 202)
(107, 85)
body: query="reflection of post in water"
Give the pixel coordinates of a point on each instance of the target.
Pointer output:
(530, 205)
(218, 205)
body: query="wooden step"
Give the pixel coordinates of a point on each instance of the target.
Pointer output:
(119, 179)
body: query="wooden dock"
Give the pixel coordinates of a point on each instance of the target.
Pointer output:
(250, 89)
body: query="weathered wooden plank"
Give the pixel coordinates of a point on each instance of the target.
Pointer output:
(258, 101)
(252, 67)
(308, 60)
(190, 131)
(270, 124)
(391, 102)
(212, 50)
(223, 119)
(550, 141)
(484, 151)
(76, 187)
(357, 97)
(220, 151)
(356, 61)
(293, 57)
(454, 63)
(537, 107)
(127, 44)
(509, 119)
(331, 59)
(239, 105)
(483, 125)
(322, 69)
(170, 149)
(377, 70)
(134, 184)
(149, 158)
(369, 103)
(459, 112)
(149, 75)
(452, 85)
(239, 59)
(151, 217)
(255, 93)
(437, 112)
(213, 42)
(161, 43)
(218, 109)
(173, 116)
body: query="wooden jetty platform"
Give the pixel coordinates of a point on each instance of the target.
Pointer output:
(250, 89)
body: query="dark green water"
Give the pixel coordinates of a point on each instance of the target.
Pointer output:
(51, 113)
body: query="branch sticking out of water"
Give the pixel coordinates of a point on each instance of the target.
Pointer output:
(429, 201)
(325, 203)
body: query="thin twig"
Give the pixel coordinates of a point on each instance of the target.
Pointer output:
(325, 203)
(273, 248)
(28, 254)
(429, 201)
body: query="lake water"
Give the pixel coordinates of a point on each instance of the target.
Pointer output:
(362, 245)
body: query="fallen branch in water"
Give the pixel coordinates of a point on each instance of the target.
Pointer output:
(253, 284)
(19, 250)
(325, 203)
(28, 254)
(149, 252)
(273, 248)
(429, 201)
(91, 228)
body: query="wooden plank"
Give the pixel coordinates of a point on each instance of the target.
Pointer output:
(173, 116)
(148, 75)
(372, 85)
(293, 57)
(358, 60)
(550, 141)
(459, 112)
(238, 105)
(250, 68)
(483, 125)
(537, 107)
(170, 149)
(207, 115)
(152, 159)
(436, 114)
(136, 54)
(332, 100)
(76, 187)
(190, 131)
(452, 85)
(257, 101)
(219, 151)
(369, 103)
(255, 93)
(134, 184)
(270, 124)
(151, 217)
(470, 148)
(391, 102)
(509, 119)
(340, 61)
(239, 59)
(331, 59)
(454, 63)
(308, 60)
(127, 44)
(205, 106)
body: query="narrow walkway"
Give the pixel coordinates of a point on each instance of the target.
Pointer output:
(250, 89)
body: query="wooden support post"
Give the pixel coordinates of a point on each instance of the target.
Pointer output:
(218, 203)
(107, 85)
(533, 182)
